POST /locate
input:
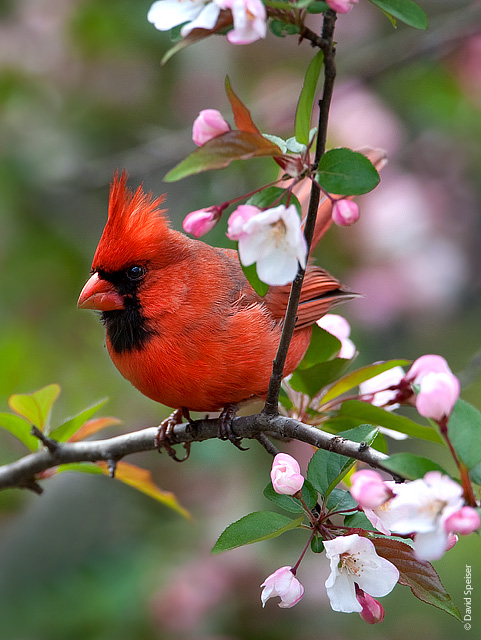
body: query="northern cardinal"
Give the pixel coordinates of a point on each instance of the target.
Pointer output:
(182, 322)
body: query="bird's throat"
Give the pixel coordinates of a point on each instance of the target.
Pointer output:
(127, 329)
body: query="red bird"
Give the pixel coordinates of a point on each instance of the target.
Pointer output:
(182, 322)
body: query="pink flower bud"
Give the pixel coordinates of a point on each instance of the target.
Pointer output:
(345, 213)
(200, 222)
(372, 611)
(286, 475)
(341, 6)
(284, 584)
(464, 521)
(427, 364)
(437, 395)
(238, 218)
(208, 124)
(451, 541)
(369, 489)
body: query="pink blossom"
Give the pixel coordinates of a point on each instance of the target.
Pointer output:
(238, 218)
(437, 395)
(420, 507)
(345, 212)
(369, 489)
(372, 611)
(284, 584)
(274, 240)
(451, 541)
(464, 521)
(377, 391)
(249, 18)
(208, 124)
(286, 475)
(341, 329)
(354, 561)
(200, 222)
(341, 6)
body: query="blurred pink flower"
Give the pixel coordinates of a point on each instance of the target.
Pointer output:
(341, 329)
(208, 124)
(376, 390)
(345, 213)
(284, 584)
(249, 20)
(429, 363)
(438, 387)
(286, 475)
(464, 521)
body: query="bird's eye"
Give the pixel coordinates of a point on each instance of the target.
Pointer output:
(136, 272)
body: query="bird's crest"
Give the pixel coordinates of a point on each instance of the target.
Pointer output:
(135, 227)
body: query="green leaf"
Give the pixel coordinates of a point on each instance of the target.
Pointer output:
(242, 115)
(405, 10)
(306, 98)
(257, 526)
(20, 428)
(311, 381)
(64, 431)
(358, 520)
(221, 151)
(354, 379)
(281, 29)
(411, 466)
(289, 503)
(475, 474)
(418, 575)
(365, 412)
(323, 346)
(464, 431)
(140, 479)
(340, 500)
(317, 7)
(273, 196)
(36, 406)
(250, 272)
(346, 172)
(326, 468)
(317, 544)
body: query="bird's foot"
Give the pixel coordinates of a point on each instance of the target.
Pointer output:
(163, 438)
(225, 429)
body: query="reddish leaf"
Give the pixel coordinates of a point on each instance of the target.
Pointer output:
(221, 151)
(419, 575)
(241, 113)
(93, 426)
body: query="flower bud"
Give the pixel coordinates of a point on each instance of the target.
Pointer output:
(208, 124)
(286, 475)
(437, 395)
(368, 488)
(427, 364)
(464, 521)
(345, 213)
(200, 222)
(284, 584)
(238, 218)
(341, 6)
(372, 611)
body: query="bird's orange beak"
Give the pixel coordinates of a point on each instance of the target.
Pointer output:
(100, 294)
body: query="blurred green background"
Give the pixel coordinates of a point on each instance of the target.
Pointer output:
(82, 93)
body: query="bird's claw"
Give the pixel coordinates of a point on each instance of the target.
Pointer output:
(164, 434)
(225, 428)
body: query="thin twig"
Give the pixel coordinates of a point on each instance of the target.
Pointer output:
(271, 405)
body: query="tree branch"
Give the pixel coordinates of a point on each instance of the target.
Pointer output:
(25, 473)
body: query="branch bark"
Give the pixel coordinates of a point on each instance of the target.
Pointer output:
(26, 472)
